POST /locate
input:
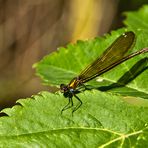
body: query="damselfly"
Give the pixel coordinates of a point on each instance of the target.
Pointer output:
(111, 57)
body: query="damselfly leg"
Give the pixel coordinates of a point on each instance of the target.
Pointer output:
(69, 105)
(78, 106)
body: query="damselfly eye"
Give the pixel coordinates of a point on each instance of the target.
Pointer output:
(63, 87)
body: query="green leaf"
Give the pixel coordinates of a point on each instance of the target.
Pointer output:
(138, 20)
(60, 67)
(103, 120)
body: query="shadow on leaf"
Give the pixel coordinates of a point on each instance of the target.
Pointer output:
(130, 75)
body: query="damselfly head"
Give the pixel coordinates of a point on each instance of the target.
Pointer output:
(63, 88)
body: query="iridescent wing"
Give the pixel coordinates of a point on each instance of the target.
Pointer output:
(110, 58)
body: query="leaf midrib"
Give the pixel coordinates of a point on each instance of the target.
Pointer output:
(81, 128)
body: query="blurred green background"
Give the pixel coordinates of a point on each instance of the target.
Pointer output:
(31, 29)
